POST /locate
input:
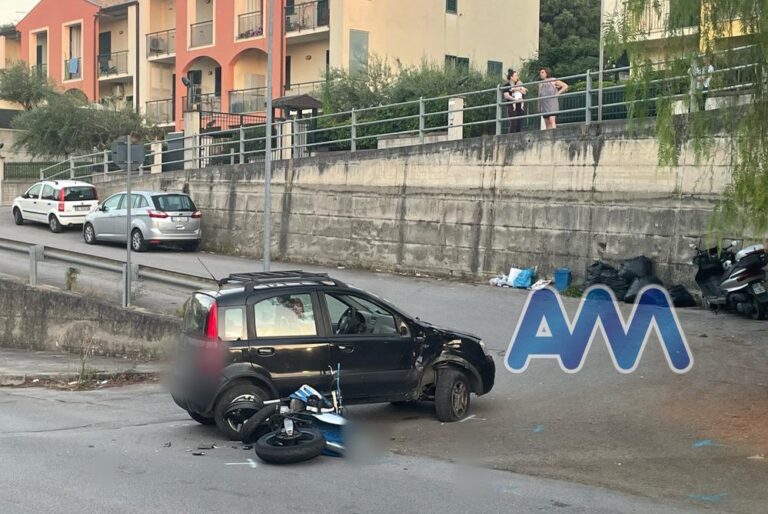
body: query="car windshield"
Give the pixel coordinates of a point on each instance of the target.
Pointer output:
(173, 203)
(84, 193)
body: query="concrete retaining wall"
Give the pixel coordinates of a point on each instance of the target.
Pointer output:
(466, 208)
(41, 318)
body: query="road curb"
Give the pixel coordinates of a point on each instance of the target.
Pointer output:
(74, 380)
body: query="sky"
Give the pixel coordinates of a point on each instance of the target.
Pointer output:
(11, 11)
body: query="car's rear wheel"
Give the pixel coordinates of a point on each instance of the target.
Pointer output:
(252, 398)
(54, 224)
(138, 244)
(201, 419)
(89, 234)
(451, 395)
(17, 216)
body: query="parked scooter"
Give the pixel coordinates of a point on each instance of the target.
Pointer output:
(733, 280)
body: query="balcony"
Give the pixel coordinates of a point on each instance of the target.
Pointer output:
(161, 112)
(201, 34)
(73, 68)
(113, 65)
(306, 16)
(305, 88)
(161, 44)
(40, 69)
(248, 100)
(210, 102)
(669, 17)
(250, 25)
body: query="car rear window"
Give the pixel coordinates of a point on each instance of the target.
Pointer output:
(173, 203)
(196, 314)
(79, 193)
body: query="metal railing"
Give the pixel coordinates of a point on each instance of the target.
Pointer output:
(307, 16)
(41, 69)
(235, 138)
(115, 63)
(201, 34)
(250, 25)
(73, 68)
(248, 100)
(202, 102)
(39, 254)
(161, 112)
(313, 88)
(161, 43)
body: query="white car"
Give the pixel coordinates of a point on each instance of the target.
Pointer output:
(57, 203)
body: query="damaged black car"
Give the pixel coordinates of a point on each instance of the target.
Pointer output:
(262, 335)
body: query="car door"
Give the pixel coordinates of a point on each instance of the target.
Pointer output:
(288, 342)
(30, 205)
(48, 201)
(104, 221)
(377, 354)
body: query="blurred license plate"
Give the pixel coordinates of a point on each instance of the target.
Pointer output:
(82, 208)
(758, 288)
(179, 219)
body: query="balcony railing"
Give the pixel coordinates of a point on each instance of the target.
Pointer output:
(73, 68)
(113, 64)
(307, 16)
(161, 43)
(304, 88)
(248, 100)
(161, 111)
(40, 69)
(201, 34)
(250, 25)
(667, 16)
(202, 102)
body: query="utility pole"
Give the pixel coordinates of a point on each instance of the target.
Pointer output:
(601, 66)
(268, 130)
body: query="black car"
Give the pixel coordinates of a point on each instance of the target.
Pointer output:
(263, 335)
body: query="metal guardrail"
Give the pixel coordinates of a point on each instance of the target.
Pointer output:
(40, 253)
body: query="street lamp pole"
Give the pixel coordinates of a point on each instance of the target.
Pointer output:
(601, 65)
(268, 134)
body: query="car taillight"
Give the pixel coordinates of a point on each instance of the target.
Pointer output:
(95, 195)
(197, 215)
(212, 357)
(62, 194)
(212, 324)
(157, 214)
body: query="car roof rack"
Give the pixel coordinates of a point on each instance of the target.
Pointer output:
(252, 280)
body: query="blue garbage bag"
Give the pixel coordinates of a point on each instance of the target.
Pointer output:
(525, 279)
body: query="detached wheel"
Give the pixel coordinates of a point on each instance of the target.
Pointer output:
(89, 234)
(451, 395)
(17, 217)
(138, 244)
(201, 419)
(758, 310)
(250, 399)
(306, 445)
(54, 224)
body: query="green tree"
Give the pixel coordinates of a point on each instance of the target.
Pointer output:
(569, 38)
(739, 55)
(24, 86)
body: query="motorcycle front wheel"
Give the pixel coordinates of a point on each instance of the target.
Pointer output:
(308, 444)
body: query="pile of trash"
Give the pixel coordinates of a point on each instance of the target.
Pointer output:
(520, 279)
(631, 277)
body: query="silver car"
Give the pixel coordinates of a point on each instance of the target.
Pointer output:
(156, 218)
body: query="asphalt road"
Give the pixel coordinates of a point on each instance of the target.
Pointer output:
(107, 451)
(695, 440)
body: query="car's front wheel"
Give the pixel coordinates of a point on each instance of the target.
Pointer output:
(89, 234)
(138, 244)
(451, 395)
(231, 423)
(17, 216)
(201, 419)
(54, 224)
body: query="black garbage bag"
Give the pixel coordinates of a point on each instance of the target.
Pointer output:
(639, 284)
(637, 267)
(681, 298)
(600, 273)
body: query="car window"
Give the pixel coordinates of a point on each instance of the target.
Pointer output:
(173, 203)
(285, 316)
(34, 191)
(111, 203)
(352, 314)
(138, 202)
(79, 193)
(196, 313)
(232, 324)
(47, 193)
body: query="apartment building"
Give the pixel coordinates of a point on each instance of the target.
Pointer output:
(167, 56)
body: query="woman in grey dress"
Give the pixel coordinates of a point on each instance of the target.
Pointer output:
(549, 89)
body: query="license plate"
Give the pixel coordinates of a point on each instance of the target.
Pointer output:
(82, 208)
(758, 288)
(180, 219)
